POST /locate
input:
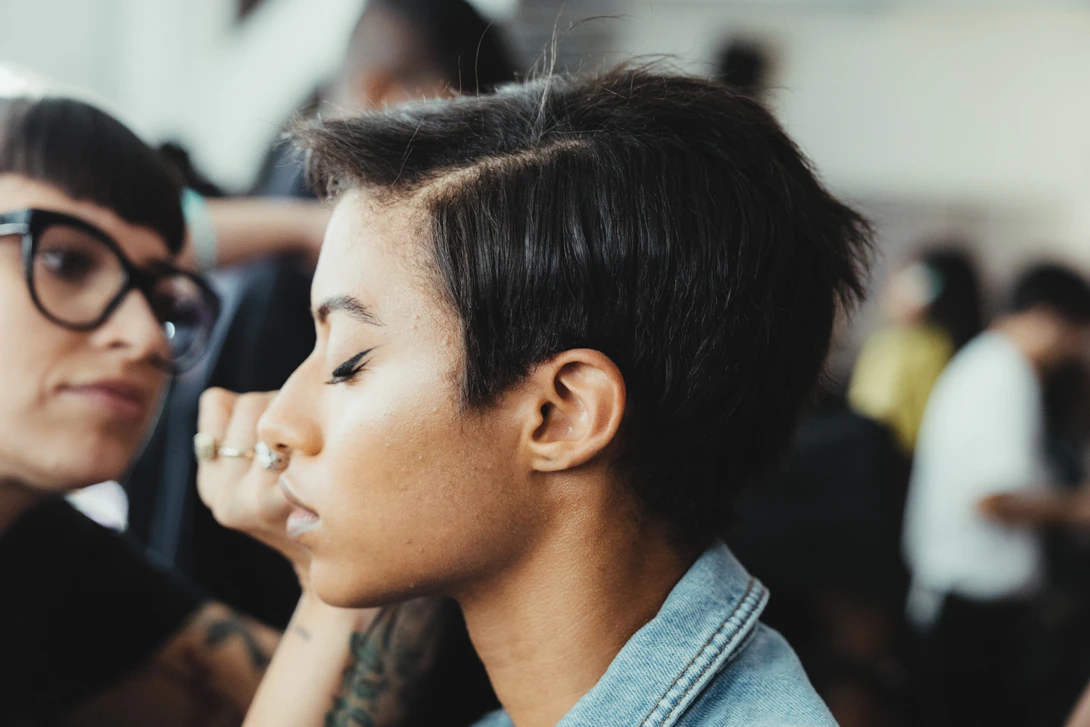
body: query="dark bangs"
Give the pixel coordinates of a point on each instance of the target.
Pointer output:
(92, 157)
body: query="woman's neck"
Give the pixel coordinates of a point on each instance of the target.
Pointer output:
(15, 500)
(548, 629)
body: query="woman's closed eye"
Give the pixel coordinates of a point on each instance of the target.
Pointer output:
(350, 369)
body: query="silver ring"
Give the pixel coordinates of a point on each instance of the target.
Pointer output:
(206, 449)
(269, 458)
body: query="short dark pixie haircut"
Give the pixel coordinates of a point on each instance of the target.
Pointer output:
(663, 220)
(1052, 286)
(92, 157)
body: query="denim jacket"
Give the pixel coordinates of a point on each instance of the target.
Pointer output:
(704, 660)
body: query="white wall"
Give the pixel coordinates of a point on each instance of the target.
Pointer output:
(964, 117)
(976, 112)
(929, 103)
(183, 68)
(920, 101)
(967, 122)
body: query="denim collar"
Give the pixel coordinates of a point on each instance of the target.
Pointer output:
(705, 622)
(669, 662)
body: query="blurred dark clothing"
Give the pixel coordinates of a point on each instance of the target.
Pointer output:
(283, 173)
(82, 607)
(1064, 631)
(832, 518)
(982, 666)
(456, 693)
(824, 536)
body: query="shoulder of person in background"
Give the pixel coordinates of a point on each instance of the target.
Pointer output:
(106, 637)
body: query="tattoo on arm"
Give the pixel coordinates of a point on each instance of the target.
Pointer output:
(388, 663)
(232, 626)
(355, 704)
(205, 675)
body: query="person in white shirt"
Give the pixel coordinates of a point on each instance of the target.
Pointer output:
(975, 575)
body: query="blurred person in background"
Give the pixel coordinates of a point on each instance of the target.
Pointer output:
(399, 51)
(933, 308)
(745, 64)
(826, 534)
(975, 578)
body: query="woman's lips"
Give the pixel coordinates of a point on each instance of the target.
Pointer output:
(301, 521)
(121, 399)
(302, 518)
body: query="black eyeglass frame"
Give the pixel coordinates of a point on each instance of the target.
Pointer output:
(29, 225)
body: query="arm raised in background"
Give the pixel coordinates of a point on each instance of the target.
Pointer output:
(249, 228)
(1039, 509)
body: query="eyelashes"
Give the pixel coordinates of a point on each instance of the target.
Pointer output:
(350, 369)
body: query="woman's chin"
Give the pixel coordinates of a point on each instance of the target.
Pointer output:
(343, 588)
(83, 470)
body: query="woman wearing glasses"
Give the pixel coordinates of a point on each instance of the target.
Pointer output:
(94, 317)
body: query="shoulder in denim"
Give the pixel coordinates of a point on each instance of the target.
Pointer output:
(704, 660)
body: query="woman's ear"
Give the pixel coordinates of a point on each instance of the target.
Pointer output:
(579, 400)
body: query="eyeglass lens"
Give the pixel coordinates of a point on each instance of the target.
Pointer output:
(77, 277)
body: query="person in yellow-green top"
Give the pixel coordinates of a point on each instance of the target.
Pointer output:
(933, 307)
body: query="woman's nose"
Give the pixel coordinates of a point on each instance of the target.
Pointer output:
(289, 425)
(133, 327)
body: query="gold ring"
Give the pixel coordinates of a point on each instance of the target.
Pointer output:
(206, 449)
(233, 452)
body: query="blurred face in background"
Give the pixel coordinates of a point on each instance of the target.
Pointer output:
(386, 65)
(74, 405)
(909, 293)
(1060, 340)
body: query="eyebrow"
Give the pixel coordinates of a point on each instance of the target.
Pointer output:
(346, 304)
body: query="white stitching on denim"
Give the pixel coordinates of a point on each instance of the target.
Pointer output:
(755, 593)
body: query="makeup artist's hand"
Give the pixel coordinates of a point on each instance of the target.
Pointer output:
(242, 494)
